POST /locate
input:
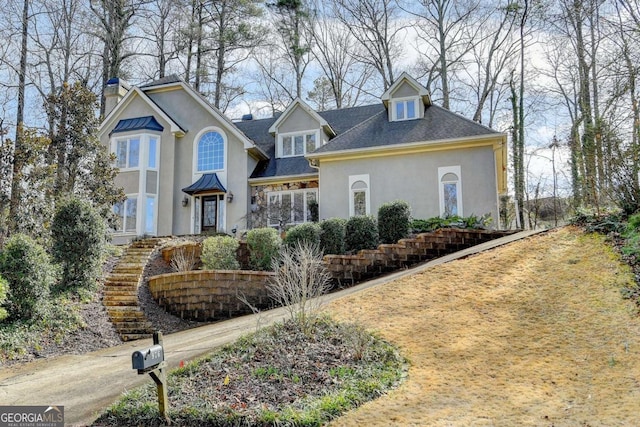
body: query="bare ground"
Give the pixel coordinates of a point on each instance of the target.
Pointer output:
(535, 333)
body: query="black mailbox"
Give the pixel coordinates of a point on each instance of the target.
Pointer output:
(148, 357)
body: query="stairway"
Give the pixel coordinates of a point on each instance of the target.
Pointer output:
(120, 296)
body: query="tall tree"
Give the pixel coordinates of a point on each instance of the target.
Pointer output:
(374, 24)
(448, 29)
(294, 25)
(236, 32)
(114, 19)
(20, 157)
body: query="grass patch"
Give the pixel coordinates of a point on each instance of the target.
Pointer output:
(280, 375)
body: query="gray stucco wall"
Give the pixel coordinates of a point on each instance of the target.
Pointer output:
(414, 179)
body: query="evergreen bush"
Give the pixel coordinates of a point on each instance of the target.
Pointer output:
(361, 232)
(332, 236)
(394, 221)
(309, 233)
(219, 253)
(79, 242)
(26, 267)
(264, 245)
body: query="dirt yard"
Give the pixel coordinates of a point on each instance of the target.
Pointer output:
(535, 333)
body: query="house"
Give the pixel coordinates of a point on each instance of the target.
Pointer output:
(188, 169)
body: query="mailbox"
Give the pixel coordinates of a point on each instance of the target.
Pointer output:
(147, 358)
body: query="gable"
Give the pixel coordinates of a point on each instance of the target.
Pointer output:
(404, 90)
(298, 120)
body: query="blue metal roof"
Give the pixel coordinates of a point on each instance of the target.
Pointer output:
(207, 182)
(138, 123)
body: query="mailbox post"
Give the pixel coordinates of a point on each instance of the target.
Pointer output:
(151, 361)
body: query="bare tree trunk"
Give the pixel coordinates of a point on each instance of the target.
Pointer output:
(18, 155)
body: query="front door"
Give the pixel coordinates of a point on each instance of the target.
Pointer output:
(209, 214)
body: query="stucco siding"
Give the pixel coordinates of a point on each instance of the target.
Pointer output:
(412, 178)
(298, 121)
(404, 90)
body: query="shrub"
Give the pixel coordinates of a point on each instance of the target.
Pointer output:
(309, 232)
(332, 236)
(300, 278)
(263, 245)
(27, 268)
(361, 232)
(4, 289)
(219, 253)
(184, 258)
(394, 220)
(79, 241)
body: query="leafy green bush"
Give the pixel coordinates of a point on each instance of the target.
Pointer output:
(79, 242)
(361, 232)
(219, 253)
(27, 268)
(431, 224)
(263, 245)
(4, 290)
(394, 220)
(332, 236)
(309, 232)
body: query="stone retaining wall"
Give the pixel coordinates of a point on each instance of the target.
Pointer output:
(210, 295)
(390, 257)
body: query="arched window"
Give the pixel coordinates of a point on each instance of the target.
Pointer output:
(210, 152)
(450, 191)
(359, 203)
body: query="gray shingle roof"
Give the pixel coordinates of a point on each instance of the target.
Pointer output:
(377, 131)
(361, 128)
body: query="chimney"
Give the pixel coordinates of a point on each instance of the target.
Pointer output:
(114, 91)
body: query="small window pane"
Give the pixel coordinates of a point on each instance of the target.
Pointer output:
(411, 110)
(298, 207)
(359, 203)
(399, 110)
(311, 142)
(299, 141)
(121, 154)
(134, 152)
(286, 146)
(153, 142)
(131, 214)
(118, 210)
(450, 199)
(149, 222)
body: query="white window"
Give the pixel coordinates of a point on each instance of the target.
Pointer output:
(210, 152)
(128, 153)
(299, 144)
(135, 152)
(450, 190)
(405, 109)
(127, 214)
(290, 207)
(359, 198)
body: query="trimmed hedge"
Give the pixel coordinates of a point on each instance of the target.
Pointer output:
(394, 221)
(219, 253)
(332, 236)
(361, 232)
(309, 233)
(264, 245)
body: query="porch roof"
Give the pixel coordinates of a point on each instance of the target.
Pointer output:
(206, 183)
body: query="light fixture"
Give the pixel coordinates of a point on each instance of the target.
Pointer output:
(230, 197)
(185, 202)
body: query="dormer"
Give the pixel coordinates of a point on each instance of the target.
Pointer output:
(300, 130)
(406, 99)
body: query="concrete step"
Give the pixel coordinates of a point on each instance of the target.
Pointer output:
(134, 337)
(120, 301)
(120, 292)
